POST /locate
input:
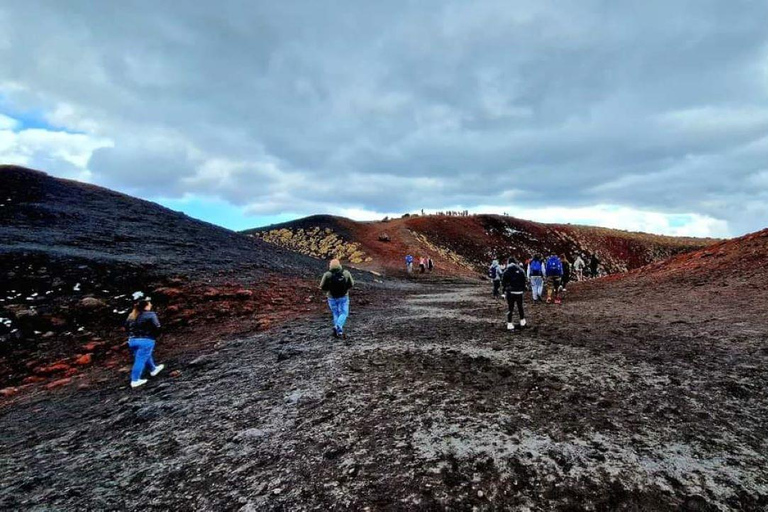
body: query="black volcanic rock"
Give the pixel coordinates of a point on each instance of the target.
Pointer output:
(39, 213)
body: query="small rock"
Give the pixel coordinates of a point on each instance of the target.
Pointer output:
(84, 359)
(8, 391)
(203, 360)
(92, 303)
(175, 373)
(58, 383)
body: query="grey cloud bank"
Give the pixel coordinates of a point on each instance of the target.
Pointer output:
(396, 106)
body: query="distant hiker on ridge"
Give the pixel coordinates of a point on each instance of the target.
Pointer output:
(513, 281)
(422, 264)
(336, 283)
(143, 328)
(494, 272)
(536, 276)
(409, 263)
(553, 271)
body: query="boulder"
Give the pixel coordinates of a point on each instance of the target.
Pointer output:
(84, 359)
(92, 303)
(384, 237)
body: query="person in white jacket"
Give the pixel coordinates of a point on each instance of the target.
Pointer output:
(578, 268)
(536, 277)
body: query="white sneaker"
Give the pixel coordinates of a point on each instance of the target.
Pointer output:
(522, 322)
(510, 326)
(137, 383)
(157, 370)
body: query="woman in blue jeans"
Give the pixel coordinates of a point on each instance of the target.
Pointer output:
(143, 328)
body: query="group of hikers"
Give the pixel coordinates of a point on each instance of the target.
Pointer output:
(425, 264)
(513, 278)
(143, 326)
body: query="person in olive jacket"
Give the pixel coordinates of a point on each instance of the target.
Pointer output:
(336, 283)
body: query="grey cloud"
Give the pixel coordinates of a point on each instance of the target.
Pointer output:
(395, 106)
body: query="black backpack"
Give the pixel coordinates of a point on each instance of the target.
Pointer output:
(337, 285)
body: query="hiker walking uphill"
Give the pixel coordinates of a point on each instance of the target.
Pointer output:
(578, 268)
(553, 272)
(536, 276)
(494, 272)
(336, 283)
(409, 263)
(143, 328)
(594, 262)
(513, 282)
(566, 274)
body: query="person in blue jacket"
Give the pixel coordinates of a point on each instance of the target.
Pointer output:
(409, 263)
(143, 328)
(553, 272)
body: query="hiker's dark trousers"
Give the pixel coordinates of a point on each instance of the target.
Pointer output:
(496, 286)
(512, 300)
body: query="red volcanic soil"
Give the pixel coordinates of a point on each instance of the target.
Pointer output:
(478, 239)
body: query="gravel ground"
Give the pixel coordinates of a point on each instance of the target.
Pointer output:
(608, 402)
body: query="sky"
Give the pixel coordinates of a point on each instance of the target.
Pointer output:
(649, 116)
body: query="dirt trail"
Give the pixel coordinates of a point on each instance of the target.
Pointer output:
(431, 404)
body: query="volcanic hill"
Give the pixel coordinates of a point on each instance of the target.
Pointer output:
(465, 245)
(73, 254)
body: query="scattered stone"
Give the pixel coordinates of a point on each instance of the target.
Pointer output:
(10, 391)
(92, 303)
(58, 383)
(84, 359)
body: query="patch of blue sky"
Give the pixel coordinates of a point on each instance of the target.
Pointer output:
(28, 119)
(222, 213)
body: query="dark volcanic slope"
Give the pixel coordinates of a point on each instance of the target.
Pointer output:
(72, 255)
(66, 218)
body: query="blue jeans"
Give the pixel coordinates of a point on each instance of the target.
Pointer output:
(340, 309)
(141, 348)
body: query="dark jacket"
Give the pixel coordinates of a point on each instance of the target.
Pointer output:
(326, 281)
(146, 325)
(513, 279)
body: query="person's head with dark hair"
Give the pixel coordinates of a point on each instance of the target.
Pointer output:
(537, 257)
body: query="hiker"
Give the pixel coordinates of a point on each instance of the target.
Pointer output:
(494, 272)
(430, 264)
(513, 281)
(143, 328)
(536, 276)
(593, 264)
(553, 272)
(337, 283)
(422, 265)
(409, 263)
(566, 274)
(578, 268)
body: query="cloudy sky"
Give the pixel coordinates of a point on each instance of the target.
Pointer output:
(645, 115)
